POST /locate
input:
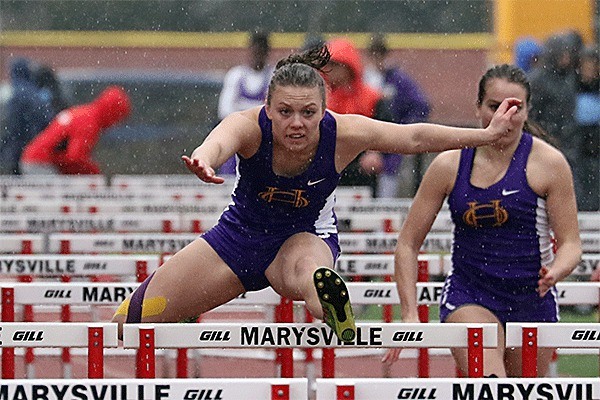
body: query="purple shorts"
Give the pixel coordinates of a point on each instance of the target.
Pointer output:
(519, 304)
(249, 253)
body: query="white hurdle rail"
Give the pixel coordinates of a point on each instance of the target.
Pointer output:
(531, 336)
(130, 222)
(459, 389)
(147, 337)
(74, 334)
(163, 389)
(158, 243)
(39, 182)
(58, 265)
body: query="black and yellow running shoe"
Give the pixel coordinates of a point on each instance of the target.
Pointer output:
(335, 301)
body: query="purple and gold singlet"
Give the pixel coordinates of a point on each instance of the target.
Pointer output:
(501, 240)
(266, 209)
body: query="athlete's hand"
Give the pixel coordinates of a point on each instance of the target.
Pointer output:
(501, 123)
(201, 170)
(371, 162)
(392, 355)
(546, 281)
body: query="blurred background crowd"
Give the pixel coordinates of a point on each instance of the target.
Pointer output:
(186, 65)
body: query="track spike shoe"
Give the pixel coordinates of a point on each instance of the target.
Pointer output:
(334, 298)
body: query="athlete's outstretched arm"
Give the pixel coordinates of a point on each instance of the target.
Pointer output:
(237, 133)
(369, 134)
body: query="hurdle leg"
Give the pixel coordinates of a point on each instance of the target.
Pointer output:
(328, 363)
(388, 317)
(146, 357)
(66, 352)
(475, 352)
(423, 310)
(309, 360)
(529, 353)
(28, 317)
(8, 315)
(286, 356)
(95, 353)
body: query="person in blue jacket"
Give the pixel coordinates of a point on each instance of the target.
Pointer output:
(26, 116)
(405, 103)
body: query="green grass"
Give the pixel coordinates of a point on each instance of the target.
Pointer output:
(583, 365)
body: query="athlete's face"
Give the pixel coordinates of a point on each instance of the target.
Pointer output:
(497, 90)
(295, 113)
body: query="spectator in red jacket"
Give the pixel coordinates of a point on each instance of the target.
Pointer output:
(349, 94)
(66, 145)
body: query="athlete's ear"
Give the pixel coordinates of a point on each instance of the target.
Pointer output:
(268, 111)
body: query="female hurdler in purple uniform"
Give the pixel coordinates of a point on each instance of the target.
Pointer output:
(506, 199)
(280, 229)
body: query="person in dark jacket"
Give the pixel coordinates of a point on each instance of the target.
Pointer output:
(587, 119)
(554, 89)
(26, 116)
(50, 90)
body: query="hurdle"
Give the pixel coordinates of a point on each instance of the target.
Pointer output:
(365, 243)
(127, 389)
(73, 334)
(89, 182)
(461, 389)
(530, 336)
(156, 243)
(147, 337)
(79, 222)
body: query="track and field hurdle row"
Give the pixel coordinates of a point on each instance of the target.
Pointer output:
(45, 222)
(297, 389)
(360, 293)
(146, 338)
(163, 389)
(168, 243)
(363, 243)
(348, 264)
(459, 389)
(197, 220)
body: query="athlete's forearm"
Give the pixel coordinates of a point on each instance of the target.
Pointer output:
(566, 259)
(405, 275)
(437, 138)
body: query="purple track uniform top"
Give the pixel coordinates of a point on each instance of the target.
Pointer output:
(266, 209)
(501, 240)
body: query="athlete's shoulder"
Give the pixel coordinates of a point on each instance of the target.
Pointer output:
(546, 154)
(446, 160)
